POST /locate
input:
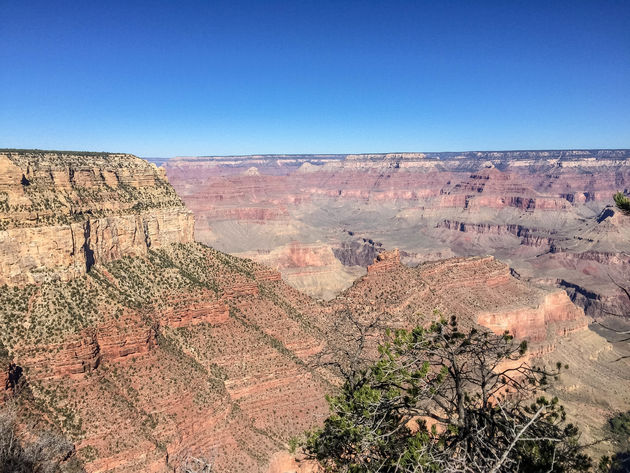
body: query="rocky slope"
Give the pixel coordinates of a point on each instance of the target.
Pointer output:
(160, 351)
(547, 213)
(479, 290)
(186, 350)
(145, 360)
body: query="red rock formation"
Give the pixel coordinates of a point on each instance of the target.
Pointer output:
(195, 312)
(478, 290)
(113, 341)
(555, 315)
(184, 350)
(514, 205)
(385, 261)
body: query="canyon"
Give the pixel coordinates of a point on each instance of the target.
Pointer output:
(143, 346)
(320, 219)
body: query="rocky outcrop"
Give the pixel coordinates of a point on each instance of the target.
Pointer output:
(113, 341)
(607, 258)
(479, 291)
(62, 213)
(385, 261)
(529, 236)
(555, 315)
(267, 275)
(357, 252)
(202, 307)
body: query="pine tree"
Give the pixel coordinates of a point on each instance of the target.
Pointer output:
(441, 400)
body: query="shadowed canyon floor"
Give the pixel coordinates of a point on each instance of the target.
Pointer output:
(142, 346)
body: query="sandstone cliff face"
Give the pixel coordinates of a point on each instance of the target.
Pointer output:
(528, 236)
(62, 213)
(554, 315)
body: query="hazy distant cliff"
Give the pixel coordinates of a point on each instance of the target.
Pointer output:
(60, 213)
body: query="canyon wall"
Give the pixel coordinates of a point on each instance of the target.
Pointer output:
(189, 351)
(184, 356)
(547, 213)
(62, 213)
(138, 345)
(154, 348)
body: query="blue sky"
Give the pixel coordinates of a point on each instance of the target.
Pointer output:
(201, 77)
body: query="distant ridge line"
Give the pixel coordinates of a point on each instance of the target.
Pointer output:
(514, 154)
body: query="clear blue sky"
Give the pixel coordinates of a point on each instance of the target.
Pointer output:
(165, 78)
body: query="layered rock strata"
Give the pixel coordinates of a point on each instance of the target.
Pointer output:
(179, 349)
(545, 212)
(62, 213)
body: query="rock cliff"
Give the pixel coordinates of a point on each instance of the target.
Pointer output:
(61, 213)
(543, 211)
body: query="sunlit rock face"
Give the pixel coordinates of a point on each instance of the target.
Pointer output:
(548, 214)
(61, 213)
(143, 345)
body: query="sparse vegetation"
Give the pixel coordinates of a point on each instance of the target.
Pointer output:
(619, 428)
(622, 202)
